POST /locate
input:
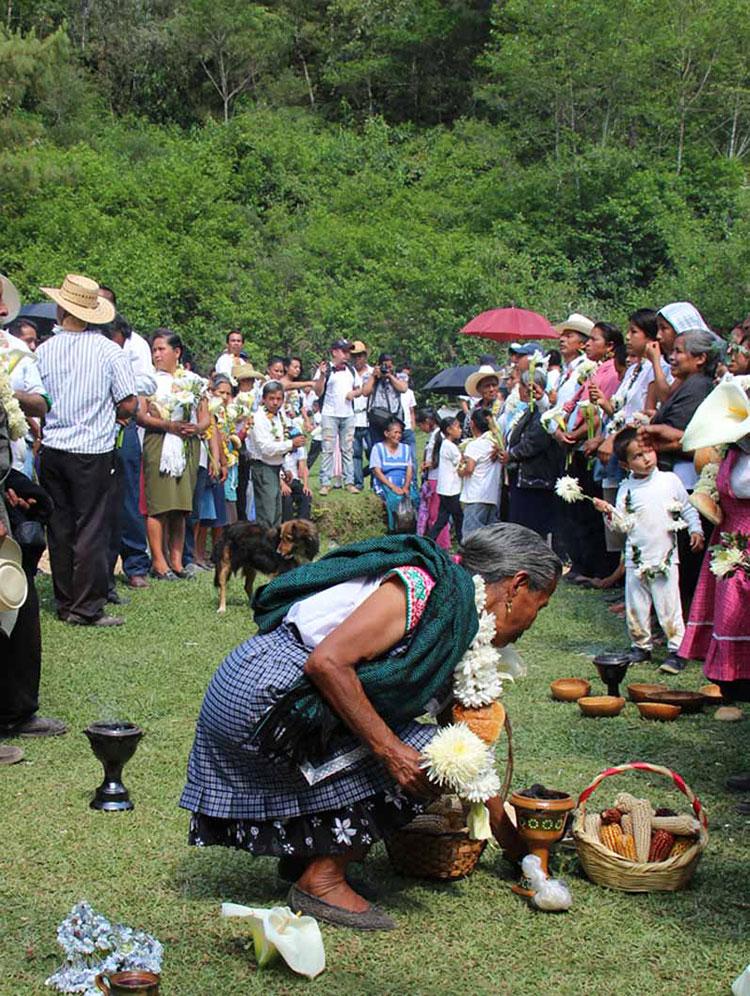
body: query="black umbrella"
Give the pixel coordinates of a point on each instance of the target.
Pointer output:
(42, 309)
(452, 380)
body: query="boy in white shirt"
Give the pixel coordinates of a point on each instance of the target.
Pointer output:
(480, 492)
(652, 507)
(447, 458)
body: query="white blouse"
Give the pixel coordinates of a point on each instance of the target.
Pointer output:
(318, 615)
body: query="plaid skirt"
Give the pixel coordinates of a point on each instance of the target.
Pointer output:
(241, 798)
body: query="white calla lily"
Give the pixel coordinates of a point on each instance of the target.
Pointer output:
(723, 417)
(278, 931)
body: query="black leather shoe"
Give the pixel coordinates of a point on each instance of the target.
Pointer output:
(35, 726)
(638, 656)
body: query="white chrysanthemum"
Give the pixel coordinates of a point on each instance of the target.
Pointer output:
(455, 758)
(485, 786)
(480, 592)
(17, 425)
(569, 489)
(676, 525)
(727, 561)
(674, 507)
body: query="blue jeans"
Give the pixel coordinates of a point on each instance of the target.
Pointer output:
(133, 548)
(331, 428)
(361, 446)
(476, 515)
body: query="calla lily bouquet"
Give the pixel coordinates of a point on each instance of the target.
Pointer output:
(585, 370)
(279, 932)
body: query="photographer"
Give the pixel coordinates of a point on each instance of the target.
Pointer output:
(383, 392)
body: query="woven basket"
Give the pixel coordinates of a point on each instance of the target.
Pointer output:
(606, 868)
(429, 848)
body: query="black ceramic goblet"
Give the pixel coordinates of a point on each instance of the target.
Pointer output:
(612, 668)
(114, 744)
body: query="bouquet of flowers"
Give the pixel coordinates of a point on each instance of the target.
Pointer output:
(10, 357)
(92, 945)
(585, 370)
(553, 419)
(730, 555)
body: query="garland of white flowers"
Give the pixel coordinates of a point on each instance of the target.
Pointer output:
(17, 425)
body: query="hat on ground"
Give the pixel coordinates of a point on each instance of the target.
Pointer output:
(471, 387)
(11, 299)
(245, 371)
(341, 344)
(80, 296)
(576, 323)
(358, 346)
(13, 585)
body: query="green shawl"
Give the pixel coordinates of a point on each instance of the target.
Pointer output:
(300, 724)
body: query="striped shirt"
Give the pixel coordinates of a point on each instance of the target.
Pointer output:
(87, 376)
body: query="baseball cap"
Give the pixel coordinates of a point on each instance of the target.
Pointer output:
(529, 348)
(341, 344)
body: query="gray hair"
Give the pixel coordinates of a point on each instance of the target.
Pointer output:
(698, 341)
(503, 550)
(540, 377)
(272, 385)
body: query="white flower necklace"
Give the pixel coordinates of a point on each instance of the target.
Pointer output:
(479, 675)
(17, 425)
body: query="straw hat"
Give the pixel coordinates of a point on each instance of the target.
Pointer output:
(724, 417)
(471, 387)
(576, 323)
(11, 299)
(13, 584)
(358, 347)
(246, 371)
(80, 296)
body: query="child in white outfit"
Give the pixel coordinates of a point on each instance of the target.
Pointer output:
(652, 507)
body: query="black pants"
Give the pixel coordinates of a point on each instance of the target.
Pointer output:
(450, 508)
(297, 505)
(78, 534)
(243, 478)
(21, 661)
(314, 452)
(583, 527)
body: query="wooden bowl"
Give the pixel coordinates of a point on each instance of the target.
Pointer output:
(712, 692)
(569, 689)
(658, 710)
(688, 701)
(601, 705)
(641, 689)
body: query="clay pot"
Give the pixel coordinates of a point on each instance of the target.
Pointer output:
(712, 692)
(486, 721)
(540, 823)
(638, 691)
(704, 455)
(688, 701)
(658, 710)
(601, 705)
(139, 983)
(569, 689)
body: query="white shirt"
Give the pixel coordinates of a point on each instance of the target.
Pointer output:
(630, 396)
(318, 615)
(139, 353)
(334, 401)
(483, 485)
(226, 362)
(645, 499)
(568, 385)
(449, 483)
(269, 437)
(290, 463)
(429, 449)
(408, 404)
(360, 403)
(24, 377)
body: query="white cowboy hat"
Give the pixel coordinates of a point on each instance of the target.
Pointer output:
(471, 387)
(576, 323)
(11, 299)
(13, 585)
(80, 296)
(723, 417)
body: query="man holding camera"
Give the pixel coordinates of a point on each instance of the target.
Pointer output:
(335, 386)
(384, 390)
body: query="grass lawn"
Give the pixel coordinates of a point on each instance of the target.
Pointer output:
(471, 937)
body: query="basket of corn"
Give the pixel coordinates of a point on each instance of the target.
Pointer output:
(635, 848)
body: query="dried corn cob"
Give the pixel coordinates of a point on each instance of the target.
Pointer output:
(684, 825)
(592, 825)
(661, 845)
(642, 813)
(627, 823)
(611, 837)
(624, 802)
(681, 844)
(611, 816)
(663, 811)
(628, 847)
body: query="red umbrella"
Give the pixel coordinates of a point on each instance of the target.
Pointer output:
(510, 324)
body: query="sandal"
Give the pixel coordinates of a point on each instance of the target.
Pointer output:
(168, 575)
(370, 919)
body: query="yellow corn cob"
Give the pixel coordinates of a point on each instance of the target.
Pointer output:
(591, 825)
(642, 813)
(681, 845)
(682, 825)
(627, 823)
(628, 847)
(611, 837)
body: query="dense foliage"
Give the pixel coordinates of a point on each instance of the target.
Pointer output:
(379, 168)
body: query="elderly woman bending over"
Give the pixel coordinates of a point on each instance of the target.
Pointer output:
(307, 748)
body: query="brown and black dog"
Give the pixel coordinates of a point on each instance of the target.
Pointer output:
(248, 547)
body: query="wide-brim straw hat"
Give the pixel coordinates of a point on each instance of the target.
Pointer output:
(576, 323)
(13, 585)
(723, 417)
(245, 371)
(11, 299)
(80, 296)
(471, 387)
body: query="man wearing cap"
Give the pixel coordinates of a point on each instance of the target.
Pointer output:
(20, 632)
(361, 429)
(91, 383)
(336, 386)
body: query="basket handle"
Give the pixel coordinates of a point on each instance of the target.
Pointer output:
(509, 764)
(646, 766)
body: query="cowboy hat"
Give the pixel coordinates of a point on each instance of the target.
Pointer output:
(13, 585)
(11, 299)
(80, 297)
(471, 387)
(723, 417)
(576, 323)
(245, 371)
(358, 347)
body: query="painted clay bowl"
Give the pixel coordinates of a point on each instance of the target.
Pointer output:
(712, 692)
(658, 710)
(641, 689)
(569, 689)
(688, 701)
(601, 705)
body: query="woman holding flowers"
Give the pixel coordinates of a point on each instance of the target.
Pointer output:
(174, 419)
(307, 746)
